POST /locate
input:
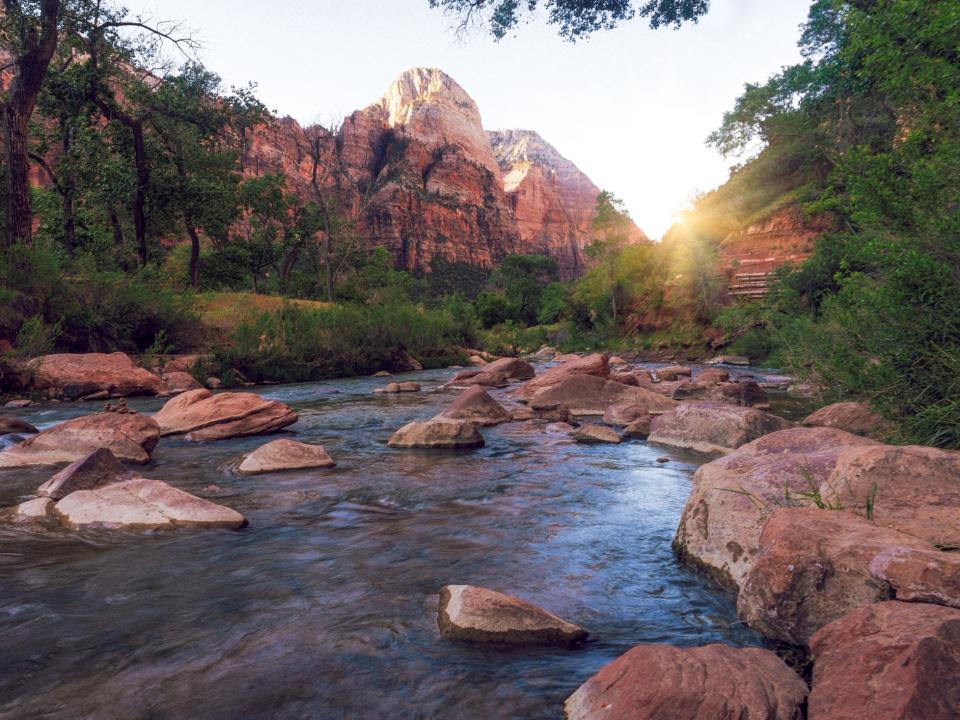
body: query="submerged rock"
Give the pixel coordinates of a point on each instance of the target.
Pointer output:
(73, 376)
(888, 661)
(200, 415)
(129, 436)
(284, 454)
(475, 405)
(714, 682)
(143, 504)
(476, 614)
(713, 427)
(407, 386)
(437, 433)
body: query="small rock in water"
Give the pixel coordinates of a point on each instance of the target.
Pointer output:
(663, 459)
(10, 424)
(285, 454)
(477, 614)
(33, 510)
(214, 383)
(437, 433)
(21, 403)
(591, 433)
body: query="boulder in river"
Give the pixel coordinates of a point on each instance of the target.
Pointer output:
(10, 424)
(674, 372)
(728, 360)
(591, 434)
(812, 568)
(853, 417)
(639, 428)
(480, 378)
(512, 368)
(96, 469)
(732, 497)
(200, 415)
(285, 454)
(591, 395)
(626, 412)
(73, 376)
(713, 682)
(35, 510)
(712, 427)
(888, 661)
(437, 432)
(142, 504)
(179, 381)
(477, 614)
(129, 436)
(475, 405)
(408, 386)
(595, 364)
(743, 392)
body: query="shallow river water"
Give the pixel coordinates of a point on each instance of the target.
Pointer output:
(325, 605)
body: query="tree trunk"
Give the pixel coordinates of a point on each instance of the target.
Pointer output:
(37, 49)
(194, 254)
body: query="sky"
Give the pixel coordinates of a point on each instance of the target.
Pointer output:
(631, 107)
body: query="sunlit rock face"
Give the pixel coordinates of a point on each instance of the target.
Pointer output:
(420, 176)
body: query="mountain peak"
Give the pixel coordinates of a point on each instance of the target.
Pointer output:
(420, 86)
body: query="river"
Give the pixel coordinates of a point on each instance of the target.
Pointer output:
(325, 605)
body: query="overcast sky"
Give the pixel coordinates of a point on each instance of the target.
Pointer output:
(630, 107)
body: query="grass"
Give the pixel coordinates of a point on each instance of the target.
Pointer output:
(226, 311)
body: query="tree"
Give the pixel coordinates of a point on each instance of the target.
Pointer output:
(521, 279)
(30, 31)
(611, 233)
(576, 18)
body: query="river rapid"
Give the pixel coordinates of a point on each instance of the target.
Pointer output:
(325, 605)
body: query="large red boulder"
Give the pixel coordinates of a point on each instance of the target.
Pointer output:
(74, 376)
(285, 454)
(714, 682)
(930, 576)
(129, 436)
(201, 415)
(888, 661)
(712, 427)
(854, 417)
(733, 496)
(595, 364)
(592, 395)
(475, 405)
(438, 432)
(513, 368)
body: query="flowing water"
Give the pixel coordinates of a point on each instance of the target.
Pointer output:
(325, 606)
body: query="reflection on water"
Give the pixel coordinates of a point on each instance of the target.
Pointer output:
(325, 606)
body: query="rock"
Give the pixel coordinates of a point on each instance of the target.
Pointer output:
(102, 395)
(888, 661)
(595, 364)
(733, 496)
(178, 382)
(745, 392)
(712, 376)
(545, 352)
(475, 405)
(560, 427)
(181, 363)
(914, 489)
(624, 413)
(94, 470)
(73, 376)
(437, 433)
(639, 428)
(21, 403)
(284, 454)
(521, 414)
(481, 378)
(214, 383)
(141, 503)
(200, 415)
(711, 427)
(512, 368)
(590, 433)
(568, 357)
(591, 395)
(476, 614)
(553, 413)
(617, 361)
(382, 373)
(10, 424)
(853, 417)
(625, 378)
(674, 372)
(929, 576)
(401, 387)
(713, 682)
(34, 510)
(812, 568)
(729, 360)
(663, 459)
(9, 440)
(476, 360)
(408, 363)
(129, 436)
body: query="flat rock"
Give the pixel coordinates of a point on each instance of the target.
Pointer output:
(732, 497)
(10, 424)
(476, 614)
(595, 364)
(912, 488)
(591, 433)
(142, 504)
(728, 360)
(284, 454)
(96, 469)
(591, 395)
(713, 682)
(73, 376)
(853, 417)
(34, 510)
(712, 427)
(129, 436)
(475, 405)
(437, 433)
(888, 661)
(812, 568)
(200, 415)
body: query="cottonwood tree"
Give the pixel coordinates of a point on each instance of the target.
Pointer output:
(576, 18)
